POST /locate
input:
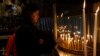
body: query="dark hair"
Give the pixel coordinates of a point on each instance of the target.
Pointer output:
(31, 7)
(28, 10)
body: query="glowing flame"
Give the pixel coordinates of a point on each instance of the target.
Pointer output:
(97, 9)
(84, 4)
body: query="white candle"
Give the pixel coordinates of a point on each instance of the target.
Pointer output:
(95, 33)
(84, 29)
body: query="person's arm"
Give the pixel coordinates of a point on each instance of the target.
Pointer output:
(24, 41)
(9, 45)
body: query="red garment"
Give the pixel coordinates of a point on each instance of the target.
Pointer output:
(11, 46)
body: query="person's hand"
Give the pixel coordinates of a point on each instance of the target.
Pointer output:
(41, 41)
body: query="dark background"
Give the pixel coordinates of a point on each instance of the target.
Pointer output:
(70, 6)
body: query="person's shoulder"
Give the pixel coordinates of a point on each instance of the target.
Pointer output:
(22, 28)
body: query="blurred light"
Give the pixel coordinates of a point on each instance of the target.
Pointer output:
(82, 38)
(71, 39)
(74, 41)
(84, 4)
(69, 31)
(14, 7)
(86, 41)
(57, 16)
(91, 37)
(64, 27)
(61, 35)
(74, 33)
(78, 32)
(61, 14)
(78, 40)
(82, 41)
(88, 35)
(68, 17)
(97, 9)
(75, 27)
(68, 34)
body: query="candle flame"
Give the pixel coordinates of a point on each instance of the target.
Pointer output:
(84, 4)
(97, 9)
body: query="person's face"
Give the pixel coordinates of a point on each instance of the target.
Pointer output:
(35, 16)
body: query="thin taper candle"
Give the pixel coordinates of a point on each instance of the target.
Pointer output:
(55, 21)
(95, 33)
(84, 29)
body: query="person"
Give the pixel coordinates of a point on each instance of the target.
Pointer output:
(31, 41)
(11, 46)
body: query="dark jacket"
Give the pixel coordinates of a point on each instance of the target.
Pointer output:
(30, 41)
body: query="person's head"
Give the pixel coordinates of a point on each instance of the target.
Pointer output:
(31, 13)
(35, 16)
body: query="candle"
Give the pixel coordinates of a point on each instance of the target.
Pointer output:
(75, 44)
(88, 37)
(91, 38)
(87, 42)
(55, 21)
(84, 29)
(82, 45)
(71, 43)
(95, 33)
(66, 40)
(78, 44)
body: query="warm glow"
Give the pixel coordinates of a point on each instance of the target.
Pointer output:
(78, 40)
(78, 32)
(74, 33)
(97, 9)
(72, 40)
(91, 37)
(84, 4)
(61, 35)
(88, 35)
(57, 16)
(87, 41)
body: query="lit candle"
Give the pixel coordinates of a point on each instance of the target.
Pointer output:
(82, 45)
(71, 42)
(75, 44)
(84, 29)
(88, 37)
(95, 33)
(66, 41)
(78, 44)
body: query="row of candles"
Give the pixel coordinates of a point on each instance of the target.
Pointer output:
(85, 40)
(75, 42)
